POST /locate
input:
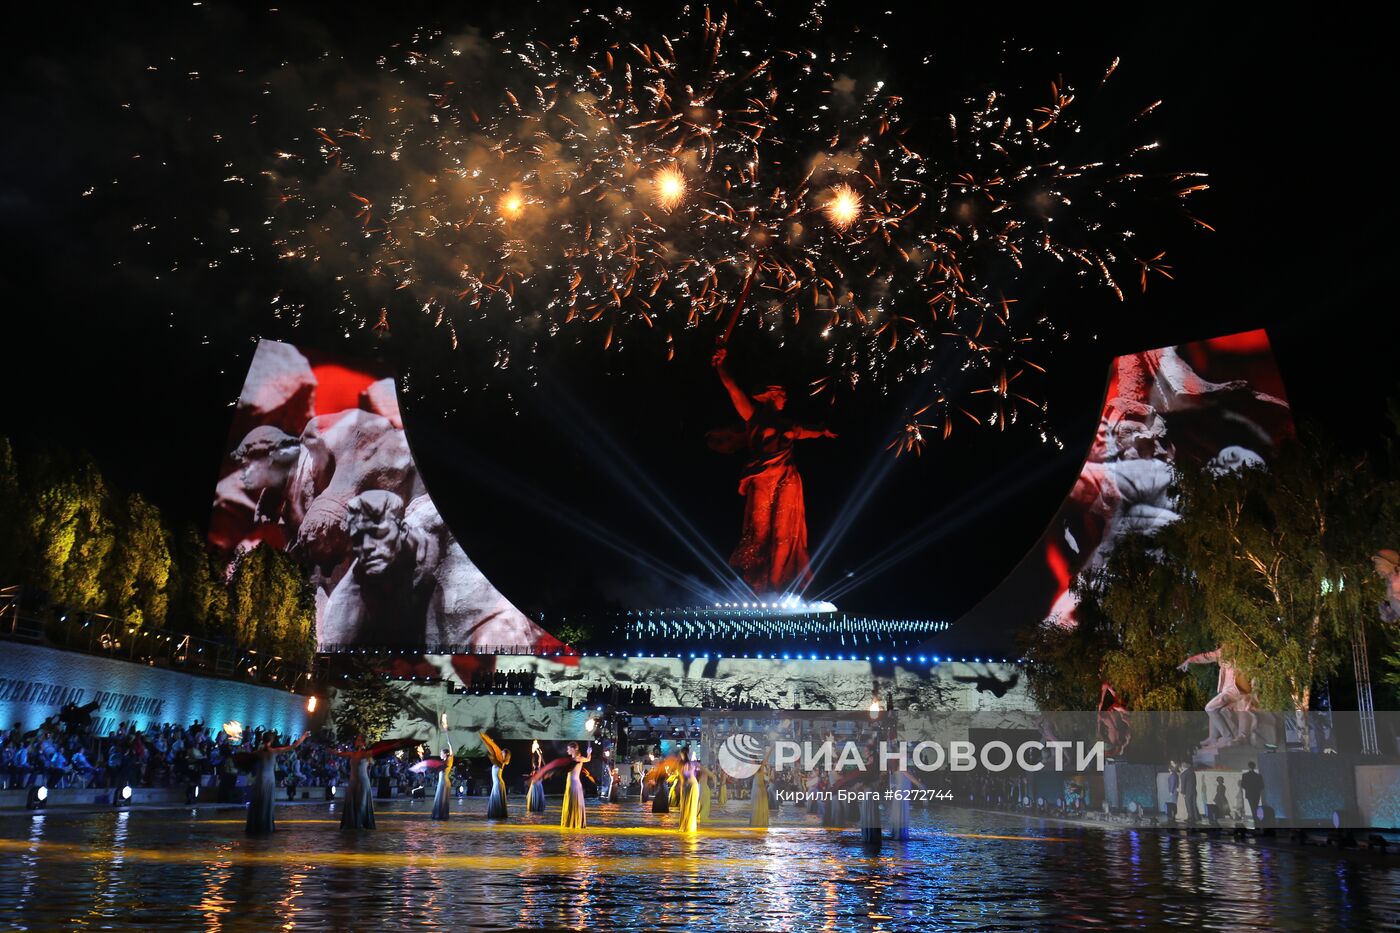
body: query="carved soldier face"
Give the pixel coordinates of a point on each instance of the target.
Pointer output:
(376, 544)
(267, 456)
(375, 525)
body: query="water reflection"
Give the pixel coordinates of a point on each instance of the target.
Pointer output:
(630, 871)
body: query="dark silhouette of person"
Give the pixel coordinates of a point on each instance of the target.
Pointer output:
(1252, 783)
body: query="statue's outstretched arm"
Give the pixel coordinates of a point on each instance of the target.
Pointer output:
(742, 403)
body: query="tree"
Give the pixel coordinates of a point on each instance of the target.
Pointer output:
(199, 596)
(69, 524)
(138, 570)
(368, 706)
(1281, 558)
(1136, 616)
(270, 605)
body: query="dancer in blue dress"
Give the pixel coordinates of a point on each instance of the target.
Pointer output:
(496, 806)
(443, 797)
(263, 762)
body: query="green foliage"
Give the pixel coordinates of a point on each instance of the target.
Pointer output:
(368, 706)
(1271, 566)
(69, 524)
(90, 548)
(574, 634)
(1136, 623)
(139, 569)
(1282, 561)
(199, 597)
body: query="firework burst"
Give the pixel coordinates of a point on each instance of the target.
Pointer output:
(633, 187)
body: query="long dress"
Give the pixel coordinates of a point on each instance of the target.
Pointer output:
(496, 806)
(675, 792)
(359, 801)
(441, 811)
(704, 815)
(723, 791)
(535, 800)
(575, 814)
(772, 552)
(759, 815)
(260, 804)
(690, 804)
(661, 797)
(615, 790)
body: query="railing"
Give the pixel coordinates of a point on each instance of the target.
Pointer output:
(103, 635)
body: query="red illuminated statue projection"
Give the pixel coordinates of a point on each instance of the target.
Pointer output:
(320, 467)
(772, 553)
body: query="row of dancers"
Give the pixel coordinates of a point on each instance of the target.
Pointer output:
(680, 782)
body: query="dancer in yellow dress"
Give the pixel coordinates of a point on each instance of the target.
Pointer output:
(704, 795)
(759, 815)
(575, 814)
(690, 795)
(723, 790)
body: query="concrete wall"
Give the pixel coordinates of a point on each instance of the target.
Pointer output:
(36, 681)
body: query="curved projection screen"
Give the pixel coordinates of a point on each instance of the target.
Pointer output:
(1217, 402)
(318, 465)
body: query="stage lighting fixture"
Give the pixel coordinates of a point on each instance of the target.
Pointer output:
(590, 724)
(311, 704)
(38, 797)
(121, 797)
(192, 794)
(330, 791)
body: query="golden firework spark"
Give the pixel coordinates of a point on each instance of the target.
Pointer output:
(512, 206)
(843, 207)
(670, 188)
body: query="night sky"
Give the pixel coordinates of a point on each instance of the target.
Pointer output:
(1284, 115)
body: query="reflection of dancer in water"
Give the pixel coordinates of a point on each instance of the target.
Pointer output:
(264, 765)
(441, 810)
(575, 814)
(690, 795)
(772, 553)
(535, 798)
(496, 806)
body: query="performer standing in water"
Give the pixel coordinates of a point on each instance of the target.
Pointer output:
(359, 801)
(690, 795)
(704, 776)
(441, 799)
(661, 796)
(535, 797)
(496, 806)
(264, 766)
(772, 552)
(758, 816)
(575, 815)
